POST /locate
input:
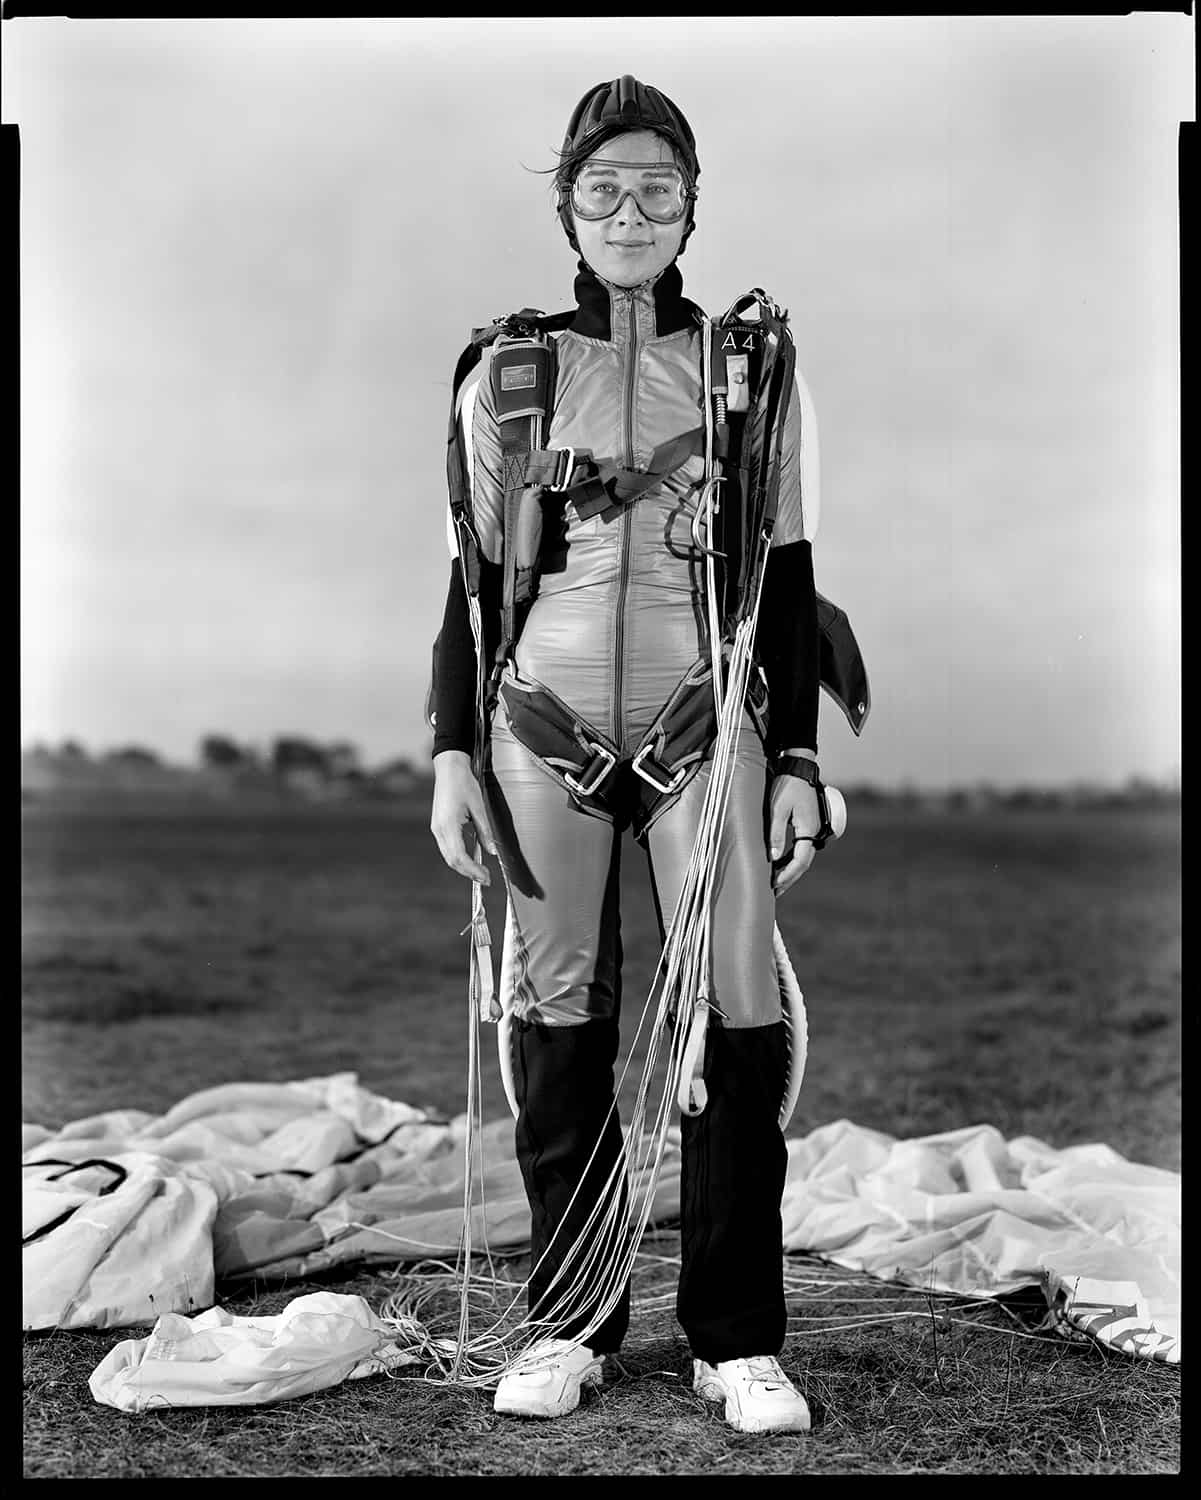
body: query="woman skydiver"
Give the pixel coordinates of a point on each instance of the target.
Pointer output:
(618, 621)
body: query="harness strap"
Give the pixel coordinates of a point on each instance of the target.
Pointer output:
(574, 750)
(596, 486)
(682, 733)
(529, 321)
(456, 475)
(522, 375)
(516, 439)
(753, 441)
(552, 468)
(582, 757)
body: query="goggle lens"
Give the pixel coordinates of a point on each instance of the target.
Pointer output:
(599, 191)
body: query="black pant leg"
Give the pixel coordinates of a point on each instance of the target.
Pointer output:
(564, 1082)
(730, 1300)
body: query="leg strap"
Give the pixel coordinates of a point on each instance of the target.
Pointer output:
(680, 740)
(574, 751)
(583, 759)
(682, 734)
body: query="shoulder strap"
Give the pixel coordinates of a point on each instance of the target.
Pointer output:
(527, 322)
(752, 344)
(522, 379)
(522, 374)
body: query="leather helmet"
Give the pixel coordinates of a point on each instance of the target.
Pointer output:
(610, 109)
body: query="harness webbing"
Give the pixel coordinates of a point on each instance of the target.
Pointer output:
(753, 477)
(602, 486)
(528, 323)
(584, 759)
(516, 441)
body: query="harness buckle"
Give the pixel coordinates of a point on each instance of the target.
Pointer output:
(649, 776)
(578, 785)
(563, 471)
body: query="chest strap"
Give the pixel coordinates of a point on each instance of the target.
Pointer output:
(600, 486)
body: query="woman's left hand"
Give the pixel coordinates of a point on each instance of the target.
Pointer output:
(795, 818)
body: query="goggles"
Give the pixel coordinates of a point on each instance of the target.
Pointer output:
(600, 189)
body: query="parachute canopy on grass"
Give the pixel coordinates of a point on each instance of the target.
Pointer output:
(129, 1215)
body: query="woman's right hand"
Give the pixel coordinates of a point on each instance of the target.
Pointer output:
(458, 801)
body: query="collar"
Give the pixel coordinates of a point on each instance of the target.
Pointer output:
(595, 298)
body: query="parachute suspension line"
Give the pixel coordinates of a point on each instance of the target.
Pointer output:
(693, 1062)
(609, 1259)
(707, 386)
(697, 923)
(730, 677)
(479, 996)
(482, 1005)
(470, 1137)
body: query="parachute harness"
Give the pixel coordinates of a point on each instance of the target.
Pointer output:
(679, 999)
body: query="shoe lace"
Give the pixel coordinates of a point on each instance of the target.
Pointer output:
(766, 1367)
(541, 1355)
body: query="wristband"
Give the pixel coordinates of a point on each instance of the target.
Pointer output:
(796, 765)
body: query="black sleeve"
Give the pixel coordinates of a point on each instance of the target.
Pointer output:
(455, 663)
(788, 646)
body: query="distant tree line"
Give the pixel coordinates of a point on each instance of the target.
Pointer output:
(289, 756)
(1136, 791)
(286, 755)
(74, 750)
(316, 766)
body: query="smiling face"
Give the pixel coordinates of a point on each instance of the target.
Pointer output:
(628, 248)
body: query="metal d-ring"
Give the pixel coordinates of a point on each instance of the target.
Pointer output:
(700, 546)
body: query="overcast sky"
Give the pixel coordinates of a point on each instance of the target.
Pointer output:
(252, 251)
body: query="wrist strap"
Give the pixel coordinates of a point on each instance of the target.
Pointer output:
(806, 769)
(796, 765)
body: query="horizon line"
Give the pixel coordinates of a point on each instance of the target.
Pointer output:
(422, 762)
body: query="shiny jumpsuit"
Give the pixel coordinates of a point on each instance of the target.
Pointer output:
(619, 618)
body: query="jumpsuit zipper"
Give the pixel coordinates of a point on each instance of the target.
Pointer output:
(624, 564)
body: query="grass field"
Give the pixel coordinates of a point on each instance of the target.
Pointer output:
(1020, 968)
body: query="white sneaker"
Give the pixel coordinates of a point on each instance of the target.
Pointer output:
(546, 1380)
(759, 1396)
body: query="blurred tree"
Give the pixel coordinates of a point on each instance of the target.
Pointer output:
(72, 750)
(133, 755)
(866, 792)
(395, 778)
(219, 752)
(1142, 791)
(343, 759)
(291, 753)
